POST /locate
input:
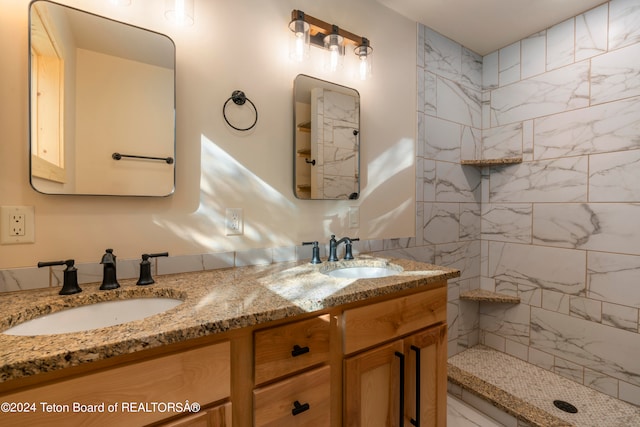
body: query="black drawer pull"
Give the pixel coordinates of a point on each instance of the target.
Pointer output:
(299, 408)
(298, 351)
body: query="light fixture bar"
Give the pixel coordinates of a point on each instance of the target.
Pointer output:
(320, 29)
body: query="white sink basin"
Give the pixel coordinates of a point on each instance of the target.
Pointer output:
(94, 316)
(365, 272)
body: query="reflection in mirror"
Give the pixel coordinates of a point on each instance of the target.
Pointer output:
(99, 87)
(326, 140)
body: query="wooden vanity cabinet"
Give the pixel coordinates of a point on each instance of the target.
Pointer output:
(338, 367)
(396, 382)
(140, 391)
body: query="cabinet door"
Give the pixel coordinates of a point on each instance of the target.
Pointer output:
(372, 389)
(426, 381)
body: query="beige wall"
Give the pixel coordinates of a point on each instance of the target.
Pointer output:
(218, 167)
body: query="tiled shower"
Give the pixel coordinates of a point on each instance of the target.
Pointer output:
(560, 229)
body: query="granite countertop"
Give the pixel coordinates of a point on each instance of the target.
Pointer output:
(215, 301)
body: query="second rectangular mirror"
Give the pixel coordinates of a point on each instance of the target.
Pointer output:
(326, 140)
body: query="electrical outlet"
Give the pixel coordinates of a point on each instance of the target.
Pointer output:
(234, 224)
(17, 224)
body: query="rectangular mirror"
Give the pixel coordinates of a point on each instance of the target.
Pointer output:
(102, 105)
(326, 120)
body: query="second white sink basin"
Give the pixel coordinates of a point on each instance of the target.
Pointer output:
(94, 316)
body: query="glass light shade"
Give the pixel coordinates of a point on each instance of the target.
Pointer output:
(364, 52)
(300, 40)
(179, 12)
(121, 2)
(333, 43)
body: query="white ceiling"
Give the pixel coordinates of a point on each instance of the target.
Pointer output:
(487, 25)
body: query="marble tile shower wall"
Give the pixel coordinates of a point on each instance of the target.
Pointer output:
(449, 196)
(560, 229)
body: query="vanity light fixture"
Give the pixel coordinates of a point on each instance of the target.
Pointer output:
(334, 44)
(364, 53)
(329, 37)
(121, 2)
(179, 12)
(299, 46)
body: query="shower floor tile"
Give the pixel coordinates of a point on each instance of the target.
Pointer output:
(534, 389)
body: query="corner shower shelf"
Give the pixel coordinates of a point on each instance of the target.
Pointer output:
(492, 162)
(304, 127)
(488, 296)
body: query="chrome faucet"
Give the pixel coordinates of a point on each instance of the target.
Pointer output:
(333, 247)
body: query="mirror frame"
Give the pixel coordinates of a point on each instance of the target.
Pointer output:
(139, 174)
(302, 152)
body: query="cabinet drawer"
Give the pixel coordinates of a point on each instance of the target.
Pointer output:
(292, 347)
(200, 375)
(303, 400)
(376, 323)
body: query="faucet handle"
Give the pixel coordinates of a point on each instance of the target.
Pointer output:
(348, 253)
(145, 268)
(70, 280)
(315, 252)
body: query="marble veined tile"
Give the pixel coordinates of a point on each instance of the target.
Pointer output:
(443, 56)
(560, 90)
(441, 223)
(340, 106)
(19, 279)
(471, 71)
(614, 278)
(598, 347)
(490, 70)
(624, 23)
(470, 215)
(509, 64)
(620, 316)
(591, 32)
(339, 162)
(507, 320)
(613, 126)
(507, 222)
(460, 414)
(471, 143)
(559, 180)
(456, 183)
(533, 55)
(430, 84)
(614, 177)
(465, 256)
(608, 227)
(545, 267)
(503, 141)
(458, 103)
(442, 139)
(560, 44)
(615, 75)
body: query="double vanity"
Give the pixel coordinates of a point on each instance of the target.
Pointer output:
(283, 344)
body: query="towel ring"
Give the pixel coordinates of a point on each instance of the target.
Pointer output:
(239, 98)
